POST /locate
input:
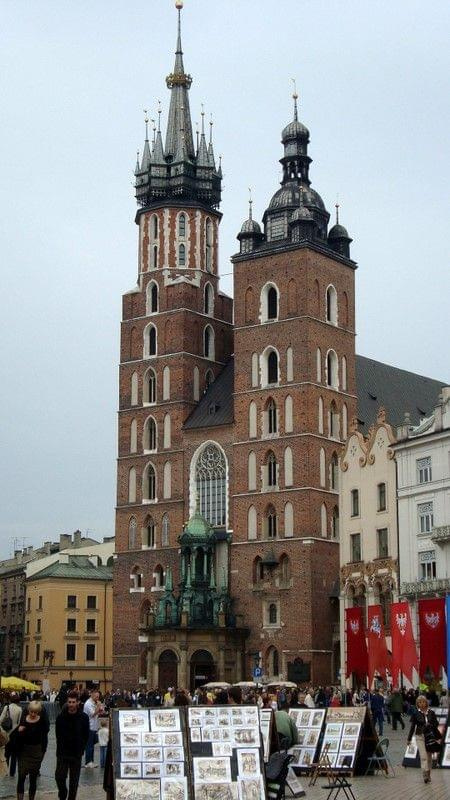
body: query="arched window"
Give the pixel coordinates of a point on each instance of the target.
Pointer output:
(150, 435)
(332, 369)
(154, 226)
(209, 244)
(285, 569)
(132, 485)
(344, 422)
(334, 473)
(182, 226)
(320, 420)
(134, 389)
(270, 523)
(272, 470)
(272, 367)
(318, 365)
(332, 315)
(322, 466)
(208, 342)
(155, 256)
(133, 436)
(152, 297)
(288, 414)
(288, 519)
(208, 299)
(167, 432)
(166, 383)
(251, 471)
(211, 484)
(149, 536)
(167, 483)
(344, 373)
(258, 570)
(181, 255)
(196, 383)
(132, 531)
(209, 378)
(334, 421)
(273, 662)
(323, 520)
(149, 341)
(271, 417)
(269, 303)
(149, 483)
(255, 370)
(335, 523)
(165, 530)
(136, 580)
(252, 420)
(289, 364)
(150, 387)
(288, 467)
(273, 614)
(251, 523)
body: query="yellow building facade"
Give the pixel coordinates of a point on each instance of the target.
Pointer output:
(68, 624)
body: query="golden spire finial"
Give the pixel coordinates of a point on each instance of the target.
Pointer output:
(179, 4)
(295, 98)
(250, 203)
(146, 123)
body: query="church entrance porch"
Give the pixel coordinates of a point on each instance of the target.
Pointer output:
(203, 668)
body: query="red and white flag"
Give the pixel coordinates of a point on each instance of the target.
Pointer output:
(433, 636)
(356, 642)
(379, 658)
(404, 652)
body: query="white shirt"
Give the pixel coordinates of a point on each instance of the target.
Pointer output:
(103, 735)
(90, 708)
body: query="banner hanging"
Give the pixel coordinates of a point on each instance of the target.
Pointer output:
(432, 636)
(356, 643)
(404, 653)
(379, 658)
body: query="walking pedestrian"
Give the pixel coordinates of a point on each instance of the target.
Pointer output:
(377, 709)
(103, 739)
(32, 739)
(425, 727)
(9, 722)
(72, 734)
(396, 706)
(92, 708)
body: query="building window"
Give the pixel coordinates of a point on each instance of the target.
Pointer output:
(71, 601)
(38, 653)
(149, 533)
(273, 614)
(28, 603)
(150, 387)
(27, 650)
(271, 523)
(150, 341)
(38, 625)
(90, 625)
(332, 369)
(354, 502)
(209, 378)
(272, 423)
(382, 543)
(381, 493)
(332, 305)
(272, 469)
(71, 652)
(150, 435)
(132, 528)
(334, 472)
(91, 601)
(424, 469)
(210, 482)
(334, 421)
(272, 367)
(165, 531)
(208, 342)
(427, 565)
(208, 299)
(181, 255)
(39, 603)
(154, 226)
(355, 547)
(27, 628)
(90, 652)
(71, 625)
(150, 483)
(425, 511)
(182, 226)
(155, 256)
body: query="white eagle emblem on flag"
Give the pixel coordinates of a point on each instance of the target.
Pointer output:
(433, 620)
(354, 624)
(375, 625)
(401, 620)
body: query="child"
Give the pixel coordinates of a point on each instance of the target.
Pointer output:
(103, 738)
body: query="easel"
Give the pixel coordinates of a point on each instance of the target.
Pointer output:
(321, 767)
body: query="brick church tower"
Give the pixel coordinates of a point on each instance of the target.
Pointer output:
(176, 336)
(294, 392)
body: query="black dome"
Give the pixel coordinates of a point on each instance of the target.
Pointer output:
(288, 196)
(338, 232)
(293, 130)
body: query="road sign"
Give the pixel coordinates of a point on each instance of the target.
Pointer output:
(257, 672)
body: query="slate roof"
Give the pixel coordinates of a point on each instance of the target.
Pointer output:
(377, 385)
(78, 568)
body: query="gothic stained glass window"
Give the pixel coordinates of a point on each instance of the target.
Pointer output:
(210, 478)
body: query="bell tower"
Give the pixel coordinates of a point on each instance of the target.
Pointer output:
(176, 336)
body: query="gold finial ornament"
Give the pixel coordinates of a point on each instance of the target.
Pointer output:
(179, 4)
(337, 207)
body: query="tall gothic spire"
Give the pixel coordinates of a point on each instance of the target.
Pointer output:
(179, 137)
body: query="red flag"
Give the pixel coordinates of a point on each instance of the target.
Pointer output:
(404, 653)
(432, 635)
(356, 642)
(379, 658)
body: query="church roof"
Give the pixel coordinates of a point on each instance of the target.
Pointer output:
(377, 384)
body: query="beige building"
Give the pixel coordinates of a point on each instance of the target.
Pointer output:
(68, 621)
(368, 512)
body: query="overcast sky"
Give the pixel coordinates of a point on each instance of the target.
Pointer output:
(75, 76)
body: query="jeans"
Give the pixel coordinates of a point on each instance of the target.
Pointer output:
(379, 721)
(72, 766)
(426, 759)
(103, 749)
(92, 741)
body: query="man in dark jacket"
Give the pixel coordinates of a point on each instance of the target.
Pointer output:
(72, 733)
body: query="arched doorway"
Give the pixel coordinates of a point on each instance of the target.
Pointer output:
(203, 668)
(168, 670)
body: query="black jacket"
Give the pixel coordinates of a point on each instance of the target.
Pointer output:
(72, 733)
(418, 723)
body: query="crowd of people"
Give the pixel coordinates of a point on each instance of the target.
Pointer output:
(83, 722)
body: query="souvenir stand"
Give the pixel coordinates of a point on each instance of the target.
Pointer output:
(309, 723)
(268, 732)
(351, 738)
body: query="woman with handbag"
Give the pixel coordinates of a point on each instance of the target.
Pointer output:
(32, 737)
(425, 727)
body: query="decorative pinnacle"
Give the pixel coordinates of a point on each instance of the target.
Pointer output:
(295, 98)
(203, 118)
(211, 123)
(159, 114)
(196, 132)
(154, 130)
(146, 124)
(250, 203)
(337, 206)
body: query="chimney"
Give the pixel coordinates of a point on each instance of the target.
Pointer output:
(47, 548)
(77, 539)
(65, 541)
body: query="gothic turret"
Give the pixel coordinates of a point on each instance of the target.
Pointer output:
(338, 238)
(250, 234)
(176, 170)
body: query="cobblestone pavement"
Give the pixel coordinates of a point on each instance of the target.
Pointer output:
(406, 785)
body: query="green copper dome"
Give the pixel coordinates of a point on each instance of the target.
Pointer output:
(198, 528)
